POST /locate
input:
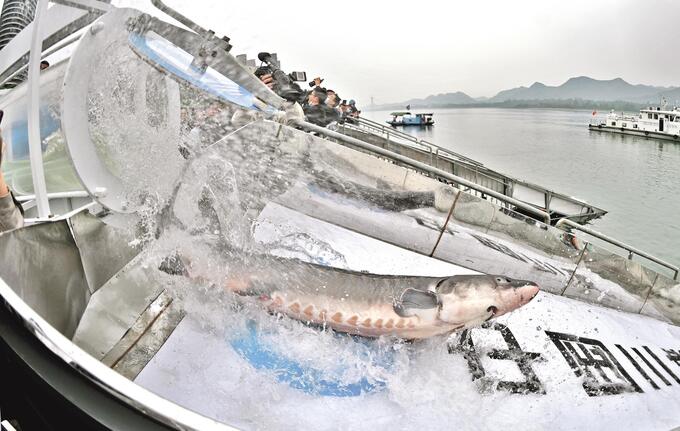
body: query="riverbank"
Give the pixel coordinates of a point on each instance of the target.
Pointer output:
(635, 179)
(571, 104)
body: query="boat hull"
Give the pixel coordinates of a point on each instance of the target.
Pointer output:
(395, 124)
(632, 132)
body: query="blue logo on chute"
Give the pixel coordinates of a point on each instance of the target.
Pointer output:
(178, 63)
(308, 379)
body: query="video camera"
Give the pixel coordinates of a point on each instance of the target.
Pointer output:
(284, 85)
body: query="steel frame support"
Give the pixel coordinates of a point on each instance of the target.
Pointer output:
(34, 141)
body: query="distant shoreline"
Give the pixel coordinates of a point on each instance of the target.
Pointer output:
(573, 104)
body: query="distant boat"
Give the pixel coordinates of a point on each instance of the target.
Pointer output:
(659, 123)
(405, 118)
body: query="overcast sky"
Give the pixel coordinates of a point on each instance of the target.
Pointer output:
(403, 49)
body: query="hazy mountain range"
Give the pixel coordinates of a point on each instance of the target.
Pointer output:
(575, 91)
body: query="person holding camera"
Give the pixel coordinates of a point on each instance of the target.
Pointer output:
(277, 80)
(11, 213)
(316, 111)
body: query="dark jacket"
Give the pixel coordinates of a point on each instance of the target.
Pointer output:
(321, 114)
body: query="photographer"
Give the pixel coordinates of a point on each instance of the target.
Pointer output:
(332, 99)
(353, 111)
(316, 110)
(11, 213)
(277, 80)
(333, 102)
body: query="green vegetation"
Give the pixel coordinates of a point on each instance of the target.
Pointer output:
(618, 105)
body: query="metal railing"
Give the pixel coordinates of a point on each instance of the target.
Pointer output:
(389, 130)
(630, 249)
(56, 195)
(471, 169)
(433, 152)
(506, 199)
(422, 167)
(63, 44)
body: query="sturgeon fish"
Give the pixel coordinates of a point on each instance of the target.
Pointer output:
(353, 302)
(372, 305)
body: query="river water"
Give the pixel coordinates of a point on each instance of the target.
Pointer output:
(636, 179)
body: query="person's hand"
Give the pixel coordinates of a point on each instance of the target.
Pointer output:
(268, 80)
(4, 189)
(2, 148)
(317, 81)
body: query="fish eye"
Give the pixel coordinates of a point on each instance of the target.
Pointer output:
(501, 280)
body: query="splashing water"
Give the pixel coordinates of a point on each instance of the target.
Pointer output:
(305, 247)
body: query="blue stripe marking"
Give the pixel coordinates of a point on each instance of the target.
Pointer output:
(177, 62)
(307, 379)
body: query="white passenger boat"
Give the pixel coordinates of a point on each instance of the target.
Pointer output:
(653, 122)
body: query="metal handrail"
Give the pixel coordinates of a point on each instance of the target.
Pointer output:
(421, 166)
(383, 130)
(375, 131)
(160, 5)
(386, 129)
(56, 195)
(442, 152)
(63, 44)
(412, 138)
(422, 145)
(382, 126)
(389, 130)
(497, 177)
(453, 153)
(630, 249)
(427, 168)
(449, 155)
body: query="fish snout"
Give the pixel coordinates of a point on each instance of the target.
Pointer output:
(527, 292)
(522, 293)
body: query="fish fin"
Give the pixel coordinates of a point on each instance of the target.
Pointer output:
(412, 300)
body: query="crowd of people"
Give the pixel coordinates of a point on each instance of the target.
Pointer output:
(322, 106)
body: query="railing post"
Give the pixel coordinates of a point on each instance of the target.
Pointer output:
(34, 139)
(631, 250)
(423, 167)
